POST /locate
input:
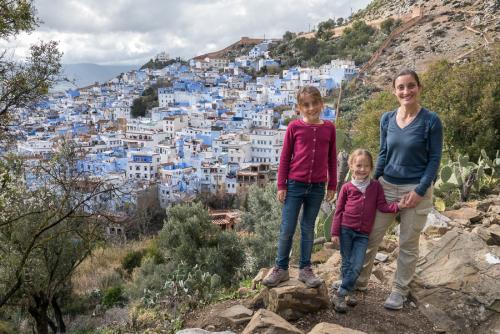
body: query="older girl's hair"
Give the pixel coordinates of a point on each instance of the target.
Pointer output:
(406, 72)
(309, 90)
(357, 153)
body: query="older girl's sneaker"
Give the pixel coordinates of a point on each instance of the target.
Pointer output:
(276, 276)
(307, 276)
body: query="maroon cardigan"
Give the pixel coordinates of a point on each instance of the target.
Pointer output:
(309, 154)
(356, 210)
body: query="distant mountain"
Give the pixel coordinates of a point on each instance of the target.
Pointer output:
(86, 74)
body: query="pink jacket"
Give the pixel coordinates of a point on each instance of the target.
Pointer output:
(356, 210)
(309, 154)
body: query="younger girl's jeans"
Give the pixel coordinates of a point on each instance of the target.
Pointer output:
(352, 248)
(306, 195)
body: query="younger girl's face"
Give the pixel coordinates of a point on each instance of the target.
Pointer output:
(310, 106)
(361, 167)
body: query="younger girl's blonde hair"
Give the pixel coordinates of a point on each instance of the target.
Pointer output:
(357, 153)
(311, 91)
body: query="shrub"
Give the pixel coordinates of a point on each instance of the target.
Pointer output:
(132, 260)
(189, 236)
(113, 296)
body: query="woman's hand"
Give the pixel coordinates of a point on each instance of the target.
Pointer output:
(281, 196)
(412, 199)
(330, 194)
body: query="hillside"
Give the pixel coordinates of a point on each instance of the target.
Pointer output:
(236, 49)
(443, 29)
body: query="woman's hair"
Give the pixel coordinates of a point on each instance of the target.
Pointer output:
(309, 90)
(360, 152)
(406, 72)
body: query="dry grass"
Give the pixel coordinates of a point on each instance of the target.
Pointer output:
(101, 269)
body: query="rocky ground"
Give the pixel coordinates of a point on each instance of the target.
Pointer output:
(456, 290)
(368, 316)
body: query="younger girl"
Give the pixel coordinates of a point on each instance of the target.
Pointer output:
(308, 160)
(353, 221)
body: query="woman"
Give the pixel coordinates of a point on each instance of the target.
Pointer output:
(411, 141)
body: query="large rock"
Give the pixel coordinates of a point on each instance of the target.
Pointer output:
(436, 224)
(293, 299)
(326, 328)
(200, 331)
(237, 314)
(259, 277)
(458, 283)
(470, 214)
(490, 234)
(322, 255)
(267, 322)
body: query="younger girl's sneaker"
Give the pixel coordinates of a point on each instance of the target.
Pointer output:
(339, 303)
(350, 300)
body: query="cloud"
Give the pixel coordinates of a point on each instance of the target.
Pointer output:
(131, 32)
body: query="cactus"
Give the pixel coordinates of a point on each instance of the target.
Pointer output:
(215, 281)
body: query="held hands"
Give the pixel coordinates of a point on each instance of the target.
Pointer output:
(411, 199)
(281, 195)
(330, 194)
(402, 204)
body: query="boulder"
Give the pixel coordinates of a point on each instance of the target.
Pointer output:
(293, 299)
(200, 331)
(457, 285)
(267, 322)
(494, 209)
(327, 328)
(470, 214)
(436, 224)
(237, 314)
(490, 234)
(322, 255)
(388, 245)
(259, 277)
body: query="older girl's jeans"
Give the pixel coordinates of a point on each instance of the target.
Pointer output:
(306, 195)
(352, 248)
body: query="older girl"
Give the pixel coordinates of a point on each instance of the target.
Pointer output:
(307, 166)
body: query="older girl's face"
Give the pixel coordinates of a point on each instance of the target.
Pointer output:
(310, 107)
(407, 90)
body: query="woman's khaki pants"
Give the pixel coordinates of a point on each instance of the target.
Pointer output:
(412, 223)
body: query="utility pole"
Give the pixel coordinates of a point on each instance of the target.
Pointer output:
(337, 111)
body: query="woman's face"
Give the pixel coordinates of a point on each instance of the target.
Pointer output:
(407, 90)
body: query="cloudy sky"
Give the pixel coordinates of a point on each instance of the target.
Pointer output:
(131, 32)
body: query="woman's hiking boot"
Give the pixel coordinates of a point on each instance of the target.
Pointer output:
(394, 301)
(276, 276)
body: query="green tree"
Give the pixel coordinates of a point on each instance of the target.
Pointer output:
(366, 127)
(23, 83)
(188, 236)
(262, 220)
(48, 225)
(138, 108)
(325, 29)
(467, 98)
(288, 36)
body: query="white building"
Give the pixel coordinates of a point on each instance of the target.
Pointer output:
(266, 145)
(143, 166)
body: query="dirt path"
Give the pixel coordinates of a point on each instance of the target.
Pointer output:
(368, 316)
